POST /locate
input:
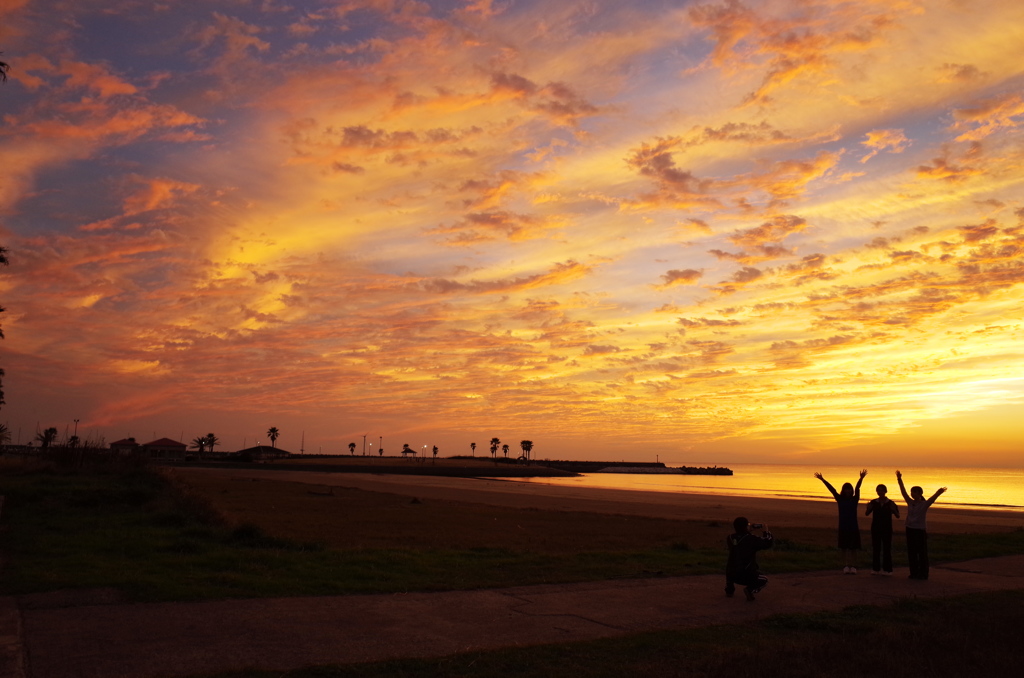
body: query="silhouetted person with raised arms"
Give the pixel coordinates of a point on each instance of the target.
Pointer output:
(917, 528)
(881, 510)
(742, 567)
(849, 530)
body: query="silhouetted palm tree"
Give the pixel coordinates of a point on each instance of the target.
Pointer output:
(472, 446)
(5, 435)
(352, 449)
(47, 437)
(273, 433)
(504, 450)
(527, 446)
(211, 441)
(435, 451)
(494, 446)
(199, 443)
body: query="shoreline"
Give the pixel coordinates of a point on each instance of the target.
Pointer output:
(776, 512)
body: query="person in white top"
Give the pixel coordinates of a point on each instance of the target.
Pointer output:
(917, 529)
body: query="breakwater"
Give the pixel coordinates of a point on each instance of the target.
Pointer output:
(634, 467)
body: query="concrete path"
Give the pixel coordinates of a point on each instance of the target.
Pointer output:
(182, 639)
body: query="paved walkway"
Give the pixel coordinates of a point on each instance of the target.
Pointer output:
(56, 637)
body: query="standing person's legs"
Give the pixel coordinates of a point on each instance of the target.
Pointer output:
(886, 544)
(922, 563)
(914, 555)
(876, 549)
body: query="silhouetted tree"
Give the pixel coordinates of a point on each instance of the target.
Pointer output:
(5, 435)
(273, 433)
(47, 437)
(352, 449)
(435, 451)
(4, 67)
(494, 447)
(211, 441)
(199, 443)
(504, 450)
(472, 447)
(527, 446)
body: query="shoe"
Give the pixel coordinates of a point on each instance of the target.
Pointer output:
(846, 570)
(887, 573)
(749, 594)
(853, 570)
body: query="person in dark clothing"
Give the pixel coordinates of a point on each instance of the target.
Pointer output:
(881, 511)
(849, 531)
(742, 567)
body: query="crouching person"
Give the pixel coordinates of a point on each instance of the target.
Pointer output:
(742, 566)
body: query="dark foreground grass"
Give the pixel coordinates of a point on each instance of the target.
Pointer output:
(134, 531)
(151, 540)
(974, 635)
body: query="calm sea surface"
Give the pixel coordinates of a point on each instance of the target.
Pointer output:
(991, 488)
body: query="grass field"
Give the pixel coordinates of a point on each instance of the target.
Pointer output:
(150, 538)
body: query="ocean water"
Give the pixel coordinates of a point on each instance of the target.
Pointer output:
(979, 488)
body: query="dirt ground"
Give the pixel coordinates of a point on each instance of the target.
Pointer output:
(355, 518)
(386, 511)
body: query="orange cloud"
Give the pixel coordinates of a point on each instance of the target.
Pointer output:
(879, 140)
(679, 277)
(988, 116)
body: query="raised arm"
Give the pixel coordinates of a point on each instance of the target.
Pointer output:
(828, 485)
(856, 490)
(903, 489)
(931, 500)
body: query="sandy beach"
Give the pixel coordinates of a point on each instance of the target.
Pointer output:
(775, 512)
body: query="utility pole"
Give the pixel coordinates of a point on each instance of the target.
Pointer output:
(364, 444)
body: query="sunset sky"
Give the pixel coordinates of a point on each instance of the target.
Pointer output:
(780, 230)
